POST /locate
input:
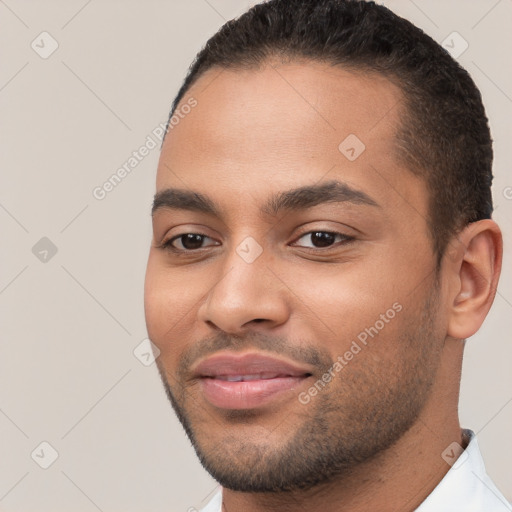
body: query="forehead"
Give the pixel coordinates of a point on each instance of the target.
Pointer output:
(257, 130)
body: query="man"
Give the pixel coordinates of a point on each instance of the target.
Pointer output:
(323, 246)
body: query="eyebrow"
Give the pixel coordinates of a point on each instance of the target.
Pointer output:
(299, 198)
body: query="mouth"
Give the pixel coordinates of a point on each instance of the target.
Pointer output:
(248, 381)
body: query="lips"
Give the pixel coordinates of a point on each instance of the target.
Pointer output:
(247, 381)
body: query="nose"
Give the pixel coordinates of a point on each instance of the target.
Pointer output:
(245, 295)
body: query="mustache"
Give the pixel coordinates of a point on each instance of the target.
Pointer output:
(298, 351)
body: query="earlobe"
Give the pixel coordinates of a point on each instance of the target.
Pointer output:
(478, 265)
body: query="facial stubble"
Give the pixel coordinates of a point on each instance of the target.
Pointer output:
(365, 410)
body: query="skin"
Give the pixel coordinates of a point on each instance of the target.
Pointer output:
(258, 132)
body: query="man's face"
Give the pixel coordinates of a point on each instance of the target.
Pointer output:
(299, 332)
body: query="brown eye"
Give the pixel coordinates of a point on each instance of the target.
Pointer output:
(187, 242)
(191, 241)
(321, 239)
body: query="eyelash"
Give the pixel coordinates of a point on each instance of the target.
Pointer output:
(168, 244)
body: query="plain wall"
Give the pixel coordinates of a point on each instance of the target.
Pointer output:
(70, 324)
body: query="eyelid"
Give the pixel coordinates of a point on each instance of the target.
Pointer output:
(168, 244)
(345, 238)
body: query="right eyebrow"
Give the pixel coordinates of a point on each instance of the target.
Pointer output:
(181, 199)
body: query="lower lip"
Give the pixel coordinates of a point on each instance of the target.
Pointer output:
(246, 394)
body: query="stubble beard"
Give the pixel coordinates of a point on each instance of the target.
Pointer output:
(344, 426)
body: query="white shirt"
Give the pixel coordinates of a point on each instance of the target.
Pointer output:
(465, 488)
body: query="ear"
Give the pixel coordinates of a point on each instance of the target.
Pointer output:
(475, 265)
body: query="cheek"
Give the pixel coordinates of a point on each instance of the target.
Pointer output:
(169, 307)
(350, 303)
(334, 288)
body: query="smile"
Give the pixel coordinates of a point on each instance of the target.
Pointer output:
(231, 381)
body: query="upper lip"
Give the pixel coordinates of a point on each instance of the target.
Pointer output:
(230, 364)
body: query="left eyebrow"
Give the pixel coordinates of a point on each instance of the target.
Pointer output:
(299, 198)
(312, 195)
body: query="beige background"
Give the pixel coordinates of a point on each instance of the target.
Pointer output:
(69, 325)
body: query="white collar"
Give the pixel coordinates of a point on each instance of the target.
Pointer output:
(466, 487)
